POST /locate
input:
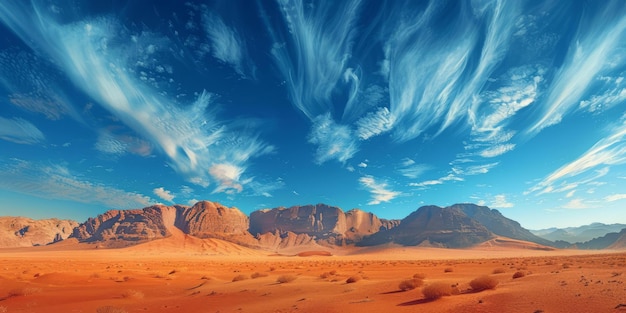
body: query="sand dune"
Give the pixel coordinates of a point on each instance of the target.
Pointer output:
(210, 275)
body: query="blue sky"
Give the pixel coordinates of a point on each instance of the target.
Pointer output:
(380, 105)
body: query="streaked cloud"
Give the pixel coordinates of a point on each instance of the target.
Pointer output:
(379, 190)
(334, 141)
(408, 168)
(578, 204)
(58, 182)
(106, 63)
(597, 44)
(610, 150)
(374, 123)
(228, 177)
(615, 197)
(163, 194)
(312, 56)
(226, 43)
(20, 131)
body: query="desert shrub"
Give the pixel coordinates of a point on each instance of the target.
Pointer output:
(110, 309)
(410, 284)
(519, 274)
(448, 270)
(419, 275)
(240, 277)
(132, 294)
(257, 275)
(499, 270)
(483, 283)
(437, 290)
(353, 279)
(285, 278)
(326, 275)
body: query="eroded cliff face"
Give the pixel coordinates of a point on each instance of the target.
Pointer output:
(129, 225)
(205, 219)
(328, 225)
(26, 232)
(315, 220)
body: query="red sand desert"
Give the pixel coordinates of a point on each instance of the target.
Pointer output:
(210, 275)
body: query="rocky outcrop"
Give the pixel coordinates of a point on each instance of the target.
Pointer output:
(205, 219)
(27, 232)
(328, 225)
(433, 226)
(495, 222)
(128, 226)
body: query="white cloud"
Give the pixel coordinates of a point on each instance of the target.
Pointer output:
(313, 59)
(500, 201)
(362, 165)
(379, 191)
(20, 131)
(608, 151)
(590, 54)
(226, 44)
(228, 176)
(374, 123)
(57, 182)
(449, 177)
(412, 170)
(577, 204)
(615, 197)
(497, 150)
(334, 141)
(107, 64)
(163, 194)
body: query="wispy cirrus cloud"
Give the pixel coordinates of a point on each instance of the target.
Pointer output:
(312, 56)
(226, 43)
(334, 141)
(20, 131)
(379, 190)
(58, 182)
(594, 51)
(610, 150)
(615, 197)
(106, 62)
(435, 86)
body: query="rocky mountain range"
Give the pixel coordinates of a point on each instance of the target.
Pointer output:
(578, 234)
(457, 226)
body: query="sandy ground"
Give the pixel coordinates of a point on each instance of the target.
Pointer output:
(216, 276)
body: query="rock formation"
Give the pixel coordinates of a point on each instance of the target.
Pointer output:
(433, 226)
(26, 232)
(495, 222)
(326, 224)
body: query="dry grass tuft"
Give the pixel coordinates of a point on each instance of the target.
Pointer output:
(240, 277)
(286, 278)
(483, 283)
(353, 279)
(499, 270)
(437, 290)
(258, 274)
(448, 270)
(110, 309)
(410, 284)
(419, 275)
(518, 274)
